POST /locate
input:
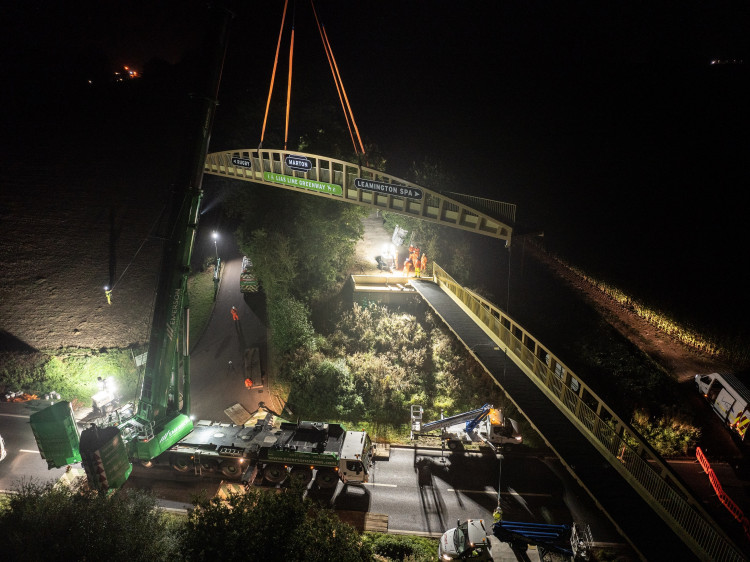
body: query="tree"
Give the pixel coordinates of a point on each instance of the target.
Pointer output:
(269, 525)
(47, 521)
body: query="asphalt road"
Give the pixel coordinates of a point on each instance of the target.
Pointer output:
(23, 462)
(215, 384)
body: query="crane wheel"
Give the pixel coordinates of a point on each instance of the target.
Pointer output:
(452, 445)
(301, 474)
(326, 478)
(208, 466)
(230, 469)
(275, 473)
(179, 463)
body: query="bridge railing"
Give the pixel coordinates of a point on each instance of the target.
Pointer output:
(338, 179)
(621, 445)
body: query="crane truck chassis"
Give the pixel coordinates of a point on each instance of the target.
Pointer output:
(324, 451)
(252, 453)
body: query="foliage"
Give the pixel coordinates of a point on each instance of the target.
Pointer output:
(631, 378)
(22, 370)
(323, 388)
(669, 434)
(378, 363)
(305, 253)
(269, 525)
(84, 526)
(71, 372)
(402, 547)
(291, 328)
(201, 295)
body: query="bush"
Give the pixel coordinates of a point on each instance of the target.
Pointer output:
(54, 522)
(290, 324)
(669, 434)
(72, 373)
(402, 547)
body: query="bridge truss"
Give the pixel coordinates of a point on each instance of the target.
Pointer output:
(344, 181)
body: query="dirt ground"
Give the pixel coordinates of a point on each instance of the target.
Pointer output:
(679, 360)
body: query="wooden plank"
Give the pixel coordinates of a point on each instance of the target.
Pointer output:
(237, 414)
(365, 521)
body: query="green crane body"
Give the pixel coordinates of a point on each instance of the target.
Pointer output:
(160, 420)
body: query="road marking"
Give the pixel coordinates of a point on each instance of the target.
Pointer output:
(379, 484)
(14, 416)
(494, 493)
(27, 451)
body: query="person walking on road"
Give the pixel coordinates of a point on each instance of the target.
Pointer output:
(235, 316)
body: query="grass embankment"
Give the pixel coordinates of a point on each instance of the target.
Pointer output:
(73, 372)
(734, 350)
(201, 293)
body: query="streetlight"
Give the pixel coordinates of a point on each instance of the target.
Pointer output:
(215, 236)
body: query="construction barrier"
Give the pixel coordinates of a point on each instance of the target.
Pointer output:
(726, 501)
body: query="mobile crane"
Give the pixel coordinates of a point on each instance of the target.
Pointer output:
(161, 418)
(160, 427)
(485, 425)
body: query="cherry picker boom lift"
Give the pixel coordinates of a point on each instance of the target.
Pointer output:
(485, 425)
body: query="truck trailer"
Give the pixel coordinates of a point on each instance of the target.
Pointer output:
(729, 398)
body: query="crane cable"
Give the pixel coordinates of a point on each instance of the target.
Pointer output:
(289, 81)
(348, 113)
(273, 75)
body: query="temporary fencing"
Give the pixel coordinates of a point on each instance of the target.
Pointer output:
(726, 501)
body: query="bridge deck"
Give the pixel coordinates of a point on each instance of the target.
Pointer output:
(637, 520)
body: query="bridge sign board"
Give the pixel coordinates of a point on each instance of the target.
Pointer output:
(302, 183)
(298, 163)
(241, 162)
(389, 188)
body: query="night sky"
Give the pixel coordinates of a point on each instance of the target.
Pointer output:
(605, 122)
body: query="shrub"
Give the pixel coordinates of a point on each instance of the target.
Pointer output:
(669, 434)
(402, 547)
(290, 325)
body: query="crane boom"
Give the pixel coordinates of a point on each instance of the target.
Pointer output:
(160, 420)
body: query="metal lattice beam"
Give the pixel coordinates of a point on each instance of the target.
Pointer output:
(344, 181)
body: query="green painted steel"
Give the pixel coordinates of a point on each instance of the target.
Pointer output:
(105, 458)
(303, 458)
(302, 183)
(174, 430)
(56, 434)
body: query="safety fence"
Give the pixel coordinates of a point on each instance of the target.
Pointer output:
(622, 446)
(725, 500)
